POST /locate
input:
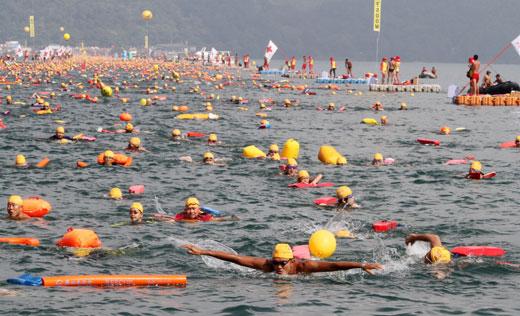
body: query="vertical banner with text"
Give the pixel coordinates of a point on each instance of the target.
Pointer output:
(31, 26)
(377, 15)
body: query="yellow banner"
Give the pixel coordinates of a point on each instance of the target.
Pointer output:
(31, 26)
(377, 15)
(146, 41)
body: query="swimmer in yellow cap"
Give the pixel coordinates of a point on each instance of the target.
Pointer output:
(176, 134)
(304, 177)
(517, 141)
(331, 106)
(60, 134)
(273, 153)
(475, 170)
(193, 212)
(403, 106)
(129, 128)
(14, 208)
(378, 160)
(291, 168)
(438, 254)
(134, 144)
(20, 161)
(345, 198)
(208, 158)
(136, 213)
(213, 139)
(108, 157)
(283, 262)
(384, 120)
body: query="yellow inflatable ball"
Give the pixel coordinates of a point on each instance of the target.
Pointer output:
(66, 36)
(147, 15)
(106, 91)
(322, 244)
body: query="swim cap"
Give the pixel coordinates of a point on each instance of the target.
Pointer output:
(332, 105)
(116, 194)
(212, 137)
(15, 199)
(378, 156)
(476, 165)
(46, 104)
(191, 201)
(264, 122)
(129, 127)
(60, 129)
(403, 105)
(274, 148)
(109, 154)
(303, 174)
(440, 255)
(292, 162)
(138, 206)
(20, 160)
(262, 106)
(287, 102)
(445, 130)
(518, 138)
(176, 132)
(283, 251)
(343, 191)
(341, 161)
(208, 155)
(135, 141)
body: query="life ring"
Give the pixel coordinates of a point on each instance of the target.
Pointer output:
(36, 207)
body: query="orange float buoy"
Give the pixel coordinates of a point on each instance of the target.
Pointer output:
(36, 207)
(81, 164)
(125, 117)
(79, 238)
(115, 280)
(43, 163)
(25, 241)
(445, 130)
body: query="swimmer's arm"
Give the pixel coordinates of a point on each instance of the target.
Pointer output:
(317, 179)
(434, 240)
(246, 261)
(329, 266)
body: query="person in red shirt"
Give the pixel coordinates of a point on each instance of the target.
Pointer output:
(192, 212)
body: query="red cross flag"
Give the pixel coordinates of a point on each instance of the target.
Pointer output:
(270, 50)
(516, 44)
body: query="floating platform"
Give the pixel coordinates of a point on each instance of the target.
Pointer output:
(345, 81)
(512, 99)
(272, 72)
(431, 88)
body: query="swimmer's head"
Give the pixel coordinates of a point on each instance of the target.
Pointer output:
(476, 165)
(343, 192)
(129, 127)
(14, 205)
(341, 160)
(116, 194)
(212, 138)
(60, 131)
(282, 254)
(378, 157)
(20, 160)
(274, 148)
(176, 133)
(136, 212)
(292, 162)
(439, 254)
(134, 142)
(208, 157)
(303, 175)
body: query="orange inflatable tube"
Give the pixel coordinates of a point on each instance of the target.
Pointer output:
(79, 238)
(36, 207)
(116, 280)
(119, 159)
(43, 163)
(25, 241)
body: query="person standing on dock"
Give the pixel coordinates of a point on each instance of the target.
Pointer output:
(475, 76)
(332, 71)
(383, 67)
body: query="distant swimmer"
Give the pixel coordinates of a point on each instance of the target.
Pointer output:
(291, 168)
(213, 139)
(273, 152)
(438, 254)
(304, 177)
(21, 162)
(176, 134)
(475, 170)
(283, 261)
(14, 208)
(378, 160)
(378, 106)
(134, 144)
(517, 141)
(60, 134)
(345, 198)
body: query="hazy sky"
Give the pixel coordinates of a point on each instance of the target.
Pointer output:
(435, 30)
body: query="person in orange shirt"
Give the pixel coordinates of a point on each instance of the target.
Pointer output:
(293, 63)
(332, 71)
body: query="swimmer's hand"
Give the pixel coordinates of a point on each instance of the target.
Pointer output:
(186, 158)
(368, 267)
(410, 239)
(193, 250)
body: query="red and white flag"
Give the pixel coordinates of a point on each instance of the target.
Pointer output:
(516, 44)
(270, 50)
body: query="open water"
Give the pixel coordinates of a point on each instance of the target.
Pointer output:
(419, 191)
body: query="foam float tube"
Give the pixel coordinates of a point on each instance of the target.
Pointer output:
(326, 201)
(369, 121)
(426, 141)
(510, 144)
(310, 185)
(79, 238)
(106, 280)
(329, 155)
(253, 152)
(36, 207)
(136, 189)
(383, 226)
(195, 134)
(43, 163)
(25, 241)
(478, 251)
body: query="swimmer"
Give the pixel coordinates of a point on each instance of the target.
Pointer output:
(345, 198)
(384, 120)
(283, 261)
(136, 213)
(60, 134)
(213, 139)
(273, 152)
(208, 158)
(134, 144)
(403, 106)
(331, 106)
(378, 160)
(109, 158)
(14, 208)
(437, 254)
(378, 106)
(517, 141)
(304, 177)
(475, 170)
(129, 128)
(291, 168)
(176, 134)
(21, 162)
(194, 213)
